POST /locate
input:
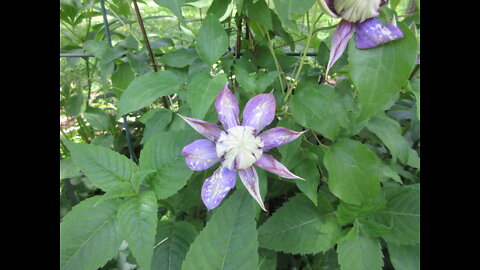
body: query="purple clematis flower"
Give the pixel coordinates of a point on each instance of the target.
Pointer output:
(358, 15)
(237, 147)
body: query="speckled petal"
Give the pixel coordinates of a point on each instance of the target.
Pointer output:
(217, 186)
(209, 130)
(227, 108)
(249, 178)
(200, 155)
(259, 111)
(268, 163)
(371, 33)
(339, 43)
(277, 136)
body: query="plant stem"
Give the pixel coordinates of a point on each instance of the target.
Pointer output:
(147, 44)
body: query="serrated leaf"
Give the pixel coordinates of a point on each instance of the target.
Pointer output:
(360, 253)
(104, 167)
(212, 41)
(147, 88)
(139, 177)
(380, 72)
(403, 209)
(202, 91)
(89, 235)
(229, 240)
(353, 171)
(173, 241)
(138, 222)
(121, 190)
(404, 257)
(163, 153)
(300, 227)
(346, 213)
(372, 228)
(320, 108)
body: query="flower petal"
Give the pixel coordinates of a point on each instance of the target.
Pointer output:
(371, 33)
(227, 108)
(209, 130)
(340, 40)
(217, 186)
(277, 136)
(249, 178)
(268, 163)
(200, 155)
(259, 111)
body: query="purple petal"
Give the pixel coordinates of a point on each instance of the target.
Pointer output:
(209, 130)
(259, 111)
(371, 33)
(340, 40)
(249, 178)
(227, 108)
(200, 155)
(217, 186)
(277, 136)
(268, 163)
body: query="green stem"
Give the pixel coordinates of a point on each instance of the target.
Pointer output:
(270, 48)
(123, 24)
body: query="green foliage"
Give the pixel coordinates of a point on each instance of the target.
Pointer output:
(129, 201)
(173, 241)
(137, 218)
(300, 227)
(89, 244)
(229, 240)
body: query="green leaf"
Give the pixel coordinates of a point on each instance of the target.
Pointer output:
(404, 257)
(139, 177)
(346, 213)
(291, 157)
(158, 120)
(68, 168)
(229, 240)
(320, 108)
(259, 13)
(173, 241)
(89, 235)
(121, 78)
(96, 47)
(138, 222)
(98, 118)
(389, 131)
(146, 89)
(203, 91)
(403, 209)
(380, 72)
(372, 228)
(163, 153)
(288, 11)
(353, 171)
(300, 227)
(175, 6)
(267, 259)
(104, 167)
(307, 169)
(359, 252)
(75, 105)
(121, 190)
(179, 58)
(212, 41)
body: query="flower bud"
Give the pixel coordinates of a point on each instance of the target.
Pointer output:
(355, 11)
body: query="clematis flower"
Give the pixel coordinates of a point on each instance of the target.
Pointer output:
(358, 15)
(237, 147)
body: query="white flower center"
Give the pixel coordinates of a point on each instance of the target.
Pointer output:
(239, 147)
(357, 11)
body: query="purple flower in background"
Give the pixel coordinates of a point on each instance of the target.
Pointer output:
(237, 147)
(359, 15)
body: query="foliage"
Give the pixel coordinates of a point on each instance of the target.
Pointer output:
(129, 201)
